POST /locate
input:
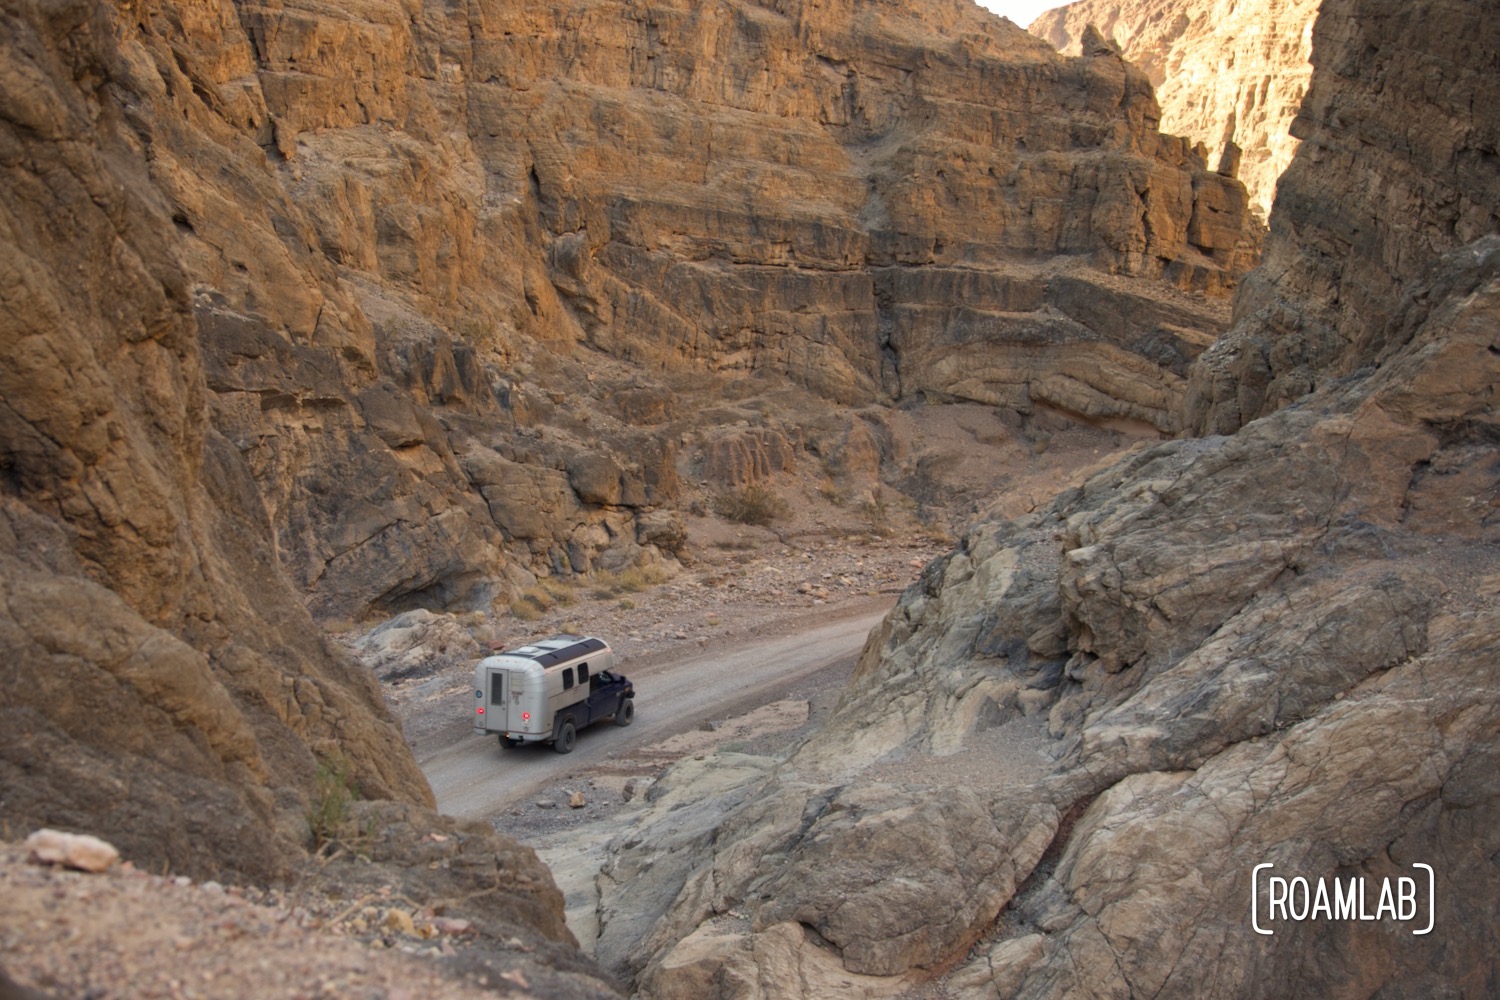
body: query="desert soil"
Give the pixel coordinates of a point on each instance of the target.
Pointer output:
(128, 934)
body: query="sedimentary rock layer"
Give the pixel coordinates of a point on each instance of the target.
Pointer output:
(1225, 71)
(430, 247)
(1278, 647)
(1401, 168)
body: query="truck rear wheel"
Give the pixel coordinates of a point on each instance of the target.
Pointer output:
(625, 714)
(566, 737)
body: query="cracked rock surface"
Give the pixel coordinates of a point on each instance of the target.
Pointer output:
(1280, 646)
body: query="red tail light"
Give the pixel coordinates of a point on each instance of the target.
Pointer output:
(525, 716)
(481, 709)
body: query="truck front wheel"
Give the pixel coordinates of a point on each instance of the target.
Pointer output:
(625, 714)
(566, 737)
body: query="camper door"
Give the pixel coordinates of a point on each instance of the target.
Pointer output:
(499, 693)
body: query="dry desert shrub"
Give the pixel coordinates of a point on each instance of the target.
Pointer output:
(334, 791)
(546, 594)
(756, 505)
(628, 581)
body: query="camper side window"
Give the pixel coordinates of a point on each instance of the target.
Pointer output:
(583, 673)
(567, 678)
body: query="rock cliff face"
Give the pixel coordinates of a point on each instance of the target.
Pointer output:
(300, 290)
(1225, 71)
(443, 260)
(163, 684)
(1402, 169)
(159, 670)
(1276, 647)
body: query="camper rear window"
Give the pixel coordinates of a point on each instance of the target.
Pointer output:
(497, 689)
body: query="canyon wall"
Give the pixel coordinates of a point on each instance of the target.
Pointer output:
(1402, 168)
(159, 668)
(471, 283)
(1064, 753)
(161, 679)
(318, 314)
(162, 683)
(1225, 71)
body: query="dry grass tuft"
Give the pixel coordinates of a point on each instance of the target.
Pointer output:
(757, 505)
(628, 581)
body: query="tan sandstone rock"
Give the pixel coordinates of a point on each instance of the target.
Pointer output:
(406, 232)
(1229, 75)
(75, 850)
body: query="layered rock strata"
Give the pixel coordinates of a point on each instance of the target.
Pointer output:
(1277, 647)
(1229, 75)
(1402, 167)
(444, 259)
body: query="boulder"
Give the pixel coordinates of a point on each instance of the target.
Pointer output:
(663, 528)
(73, 850)
(595, 478)
(417, 643)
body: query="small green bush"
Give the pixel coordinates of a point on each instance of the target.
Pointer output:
(334, 791)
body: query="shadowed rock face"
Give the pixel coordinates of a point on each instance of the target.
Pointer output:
(1402, 168)
(1224, 71)
(1277, 647)
(434, 252)
(162, 684)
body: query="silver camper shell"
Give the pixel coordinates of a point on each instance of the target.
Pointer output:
(523, 693)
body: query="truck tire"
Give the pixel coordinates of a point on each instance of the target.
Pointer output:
(567, 736)
(625, 714)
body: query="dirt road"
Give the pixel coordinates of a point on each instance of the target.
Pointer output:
(476, 778)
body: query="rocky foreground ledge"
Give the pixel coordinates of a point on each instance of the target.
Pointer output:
(399, 904)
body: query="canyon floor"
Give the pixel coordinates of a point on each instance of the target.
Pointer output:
(129, 933)
(746, 597)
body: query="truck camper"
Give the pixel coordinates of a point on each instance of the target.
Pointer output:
(547, 691)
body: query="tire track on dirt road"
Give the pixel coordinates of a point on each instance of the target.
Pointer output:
(475, 778)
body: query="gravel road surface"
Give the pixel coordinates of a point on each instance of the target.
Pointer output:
(476, 778)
